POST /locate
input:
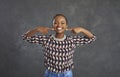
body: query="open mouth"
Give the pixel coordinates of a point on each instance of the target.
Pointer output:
(59, 28)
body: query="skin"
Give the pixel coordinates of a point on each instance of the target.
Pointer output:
(59, 26)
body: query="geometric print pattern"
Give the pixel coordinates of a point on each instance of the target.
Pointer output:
(58, 54)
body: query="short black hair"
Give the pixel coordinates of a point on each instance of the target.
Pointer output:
(62, 16)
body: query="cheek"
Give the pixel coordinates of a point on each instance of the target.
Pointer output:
(65, 26)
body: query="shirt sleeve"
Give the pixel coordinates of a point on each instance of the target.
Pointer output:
(81, 40)
(37, 39)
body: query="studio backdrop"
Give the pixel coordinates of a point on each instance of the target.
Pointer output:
(22, 59)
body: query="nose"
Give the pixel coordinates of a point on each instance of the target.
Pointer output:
(59, 25)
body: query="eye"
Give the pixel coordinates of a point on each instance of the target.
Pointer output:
(62, 23)
(55, 23)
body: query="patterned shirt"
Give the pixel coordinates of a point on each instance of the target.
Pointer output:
(58, 53)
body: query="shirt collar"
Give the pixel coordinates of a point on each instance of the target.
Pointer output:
(58, 39)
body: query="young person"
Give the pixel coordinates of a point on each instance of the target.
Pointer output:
(58, 47)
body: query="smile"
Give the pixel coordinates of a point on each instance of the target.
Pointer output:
(59, 28)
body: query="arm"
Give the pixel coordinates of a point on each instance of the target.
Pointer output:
(77, 30)
(88, 38)
(32, 38)
(41, 29)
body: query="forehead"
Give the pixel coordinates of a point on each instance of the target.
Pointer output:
(60, 18)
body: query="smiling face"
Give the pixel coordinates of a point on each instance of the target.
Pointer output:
(59, 24)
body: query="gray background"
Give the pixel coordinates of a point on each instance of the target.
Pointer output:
(21, 59)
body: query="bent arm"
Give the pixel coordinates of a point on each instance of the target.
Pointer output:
(88, 38)
(31, 32)
(77, 30)
(41, 29)
(32, 38)
(87, 33)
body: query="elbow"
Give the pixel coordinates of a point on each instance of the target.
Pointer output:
(93, 38)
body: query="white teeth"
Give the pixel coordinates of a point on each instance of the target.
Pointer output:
(59, 28)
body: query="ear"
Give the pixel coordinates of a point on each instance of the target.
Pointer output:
(66, 27)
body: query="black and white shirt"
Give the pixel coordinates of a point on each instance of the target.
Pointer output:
(58, 53)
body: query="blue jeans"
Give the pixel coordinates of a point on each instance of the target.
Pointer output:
(63, 74)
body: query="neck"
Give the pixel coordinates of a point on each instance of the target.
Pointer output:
(59, 35)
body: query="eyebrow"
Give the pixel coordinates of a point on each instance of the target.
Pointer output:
(60, 21)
